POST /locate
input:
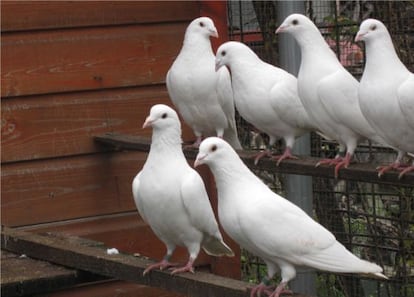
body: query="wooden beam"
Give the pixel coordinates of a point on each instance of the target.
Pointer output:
(364, 172)
(93, 258)
(23, 276)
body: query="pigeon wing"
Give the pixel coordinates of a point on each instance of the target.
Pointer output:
(200, 213)
(405, 94)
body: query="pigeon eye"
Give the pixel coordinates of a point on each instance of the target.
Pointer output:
(201, 24)
(223, 53)
(213, 148)
(295, 22)
(373, 27)
(164, 115)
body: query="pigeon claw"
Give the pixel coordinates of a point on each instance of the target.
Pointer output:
(406, 170)
(257, 157)
(329, 162)
(281, 290)
(259, 289)
(159, 265)
(394, 166)
(287, 154)
(187, 268)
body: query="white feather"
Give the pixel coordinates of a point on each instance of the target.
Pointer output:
(268, 225)
(203, 97)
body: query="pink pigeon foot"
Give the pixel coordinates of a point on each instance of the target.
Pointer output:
(393, 166)
(281, 290)
(344, 163)
(265, 153)
(287, 154)
(187, 268)
(329, 162)
(161, 265)
(337, 161)
(259, 289)
(406, 170)
(196, 143)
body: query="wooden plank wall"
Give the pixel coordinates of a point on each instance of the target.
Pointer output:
(72, 70)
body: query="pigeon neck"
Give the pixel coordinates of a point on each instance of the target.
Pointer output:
(166, 140)
(197, 43)
(382, 57)
(232, 172)
(313, 46)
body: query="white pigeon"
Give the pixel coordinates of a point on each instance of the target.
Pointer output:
(203, 97)
(328, 91)
(265, 96)
(386, 92)
(170, 195)
(270, 226)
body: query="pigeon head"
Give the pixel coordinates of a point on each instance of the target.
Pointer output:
(202, 26)
(231, 51)
(212, 150)
(371, 29)
(161, 117)
(295, 23)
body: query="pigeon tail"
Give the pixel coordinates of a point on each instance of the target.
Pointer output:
(337, 258)
(216, 247)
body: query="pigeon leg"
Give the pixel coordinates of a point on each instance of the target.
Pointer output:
(187, 268)
(344, 163)
(265, 153)
(281, 290)
(287, 154)
(196, 143)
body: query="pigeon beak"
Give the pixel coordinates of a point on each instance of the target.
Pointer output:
(281, 29)
(218, 65)
(148, 122)
(214, 33)
(199, 160)
(359, 36)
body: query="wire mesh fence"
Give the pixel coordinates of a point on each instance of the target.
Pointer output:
(375, 222)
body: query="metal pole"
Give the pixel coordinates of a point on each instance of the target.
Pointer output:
(299, 188)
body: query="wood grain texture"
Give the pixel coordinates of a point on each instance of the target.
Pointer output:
(114, 289)
(87, 59)
(124, 231)
(66, 188)
(63, 125)
(29, 15)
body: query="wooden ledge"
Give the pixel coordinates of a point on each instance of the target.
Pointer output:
(364, 172)
(23, 276)
(93, 258)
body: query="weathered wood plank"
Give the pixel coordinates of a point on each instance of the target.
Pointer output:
(51, 126)
(67, 188)
(363, 172)
(125, 231)
(23, 276)
(114, 289)
(85, 59)
(29, 15)
(122, 266)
